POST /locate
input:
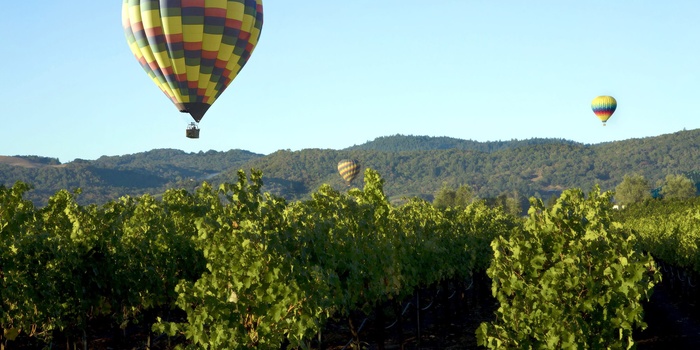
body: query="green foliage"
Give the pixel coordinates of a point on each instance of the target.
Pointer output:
(17, 216)
(633, 189)
(448, 197)
(414, 166)
(678, 187)
(419, 165)
(571, 278)
(667, 229)
(298, 264)
(252, 270)
(402, 143)
(111, 177)
(252, 294)
(65, 264)
(510, 202)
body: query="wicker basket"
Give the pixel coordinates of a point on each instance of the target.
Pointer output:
(192, 133)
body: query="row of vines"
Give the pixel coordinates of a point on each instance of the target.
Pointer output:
(251, 270)
(668, 229)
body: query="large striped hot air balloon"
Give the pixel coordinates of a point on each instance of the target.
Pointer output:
(192, 49)
(349, 169)
(604, 107)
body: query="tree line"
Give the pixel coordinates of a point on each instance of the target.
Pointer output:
(413, 166)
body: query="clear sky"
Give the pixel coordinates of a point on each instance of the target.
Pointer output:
(332, 74)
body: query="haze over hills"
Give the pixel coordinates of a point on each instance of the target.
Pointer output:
(411, 166)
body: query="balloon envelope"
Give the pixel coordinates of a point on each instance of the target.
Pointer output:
(604, 107)
(192, 49)
(349, 169)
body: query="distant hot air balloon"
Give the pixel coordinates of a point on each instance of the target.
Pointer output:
(349, 169)
(192, 49)
(604, 107)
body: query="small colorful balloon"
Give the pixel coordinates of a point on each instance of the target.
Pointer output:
(604, 107)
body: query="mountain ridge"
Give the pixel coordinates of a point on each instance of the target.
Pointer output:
(411, 166)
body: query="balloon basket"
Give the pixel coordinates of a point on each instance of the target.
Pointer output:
(192, 131)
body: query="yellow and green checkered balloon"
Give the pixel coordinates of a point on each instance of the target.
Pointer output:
(349, 169)
(192, 49)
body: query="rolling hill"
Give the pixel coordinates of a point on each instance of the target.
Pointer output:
(411, 166)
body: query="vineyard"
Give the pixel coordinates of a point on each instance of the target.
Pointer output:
(234, 268)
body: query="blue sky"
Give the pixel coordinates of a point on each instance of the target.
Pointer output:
(332, 74)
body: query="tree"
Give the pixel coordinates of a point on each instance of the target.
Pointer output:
(678, 186)
(513, 205)
(447, 197)
(444, 198)
(510, 202)
(463, 196)
(633, 188)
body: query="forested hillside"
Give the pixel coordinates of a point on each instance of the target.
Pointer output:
(411, 165)
(399, 143)
(109, 177)
(538, 167)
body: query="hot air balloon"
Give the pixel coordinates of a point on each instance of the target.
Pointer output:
(192, 49)
(604, 107)
(349, 169)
